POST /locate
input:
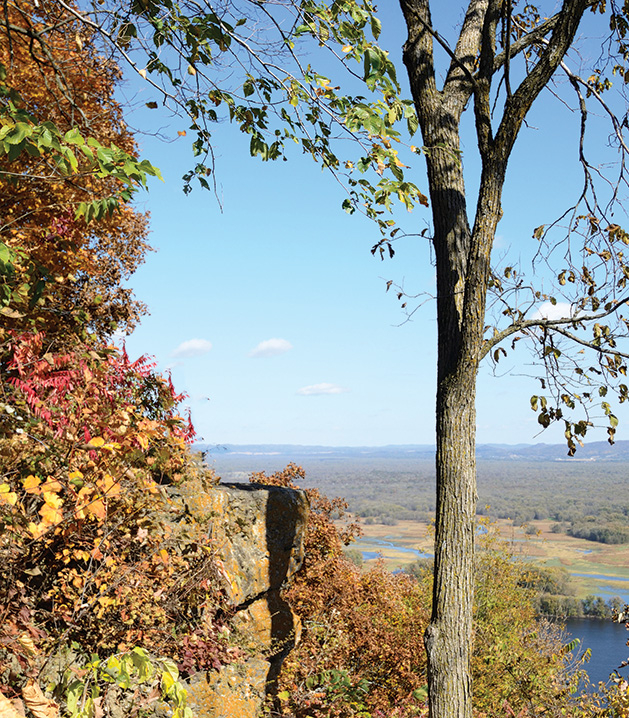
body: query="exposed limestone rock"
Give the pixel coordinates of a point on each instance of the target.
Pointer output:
(268, 626)
(258, 534)
(237, 691)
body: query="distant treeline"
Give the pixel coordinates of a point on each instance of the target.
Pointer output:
(583, 499)
(609, 532)
(554, 592)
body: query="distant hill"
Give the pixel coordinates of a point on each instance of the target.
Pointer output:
(595, 451)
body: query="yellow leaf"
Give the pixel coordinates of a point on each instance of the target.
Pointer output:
(7, 496)
(75, 475)
(191, 70)
(50, 515)
(27, 644)
(52, 500)
(7, 709)
(96, 442)
(37, 703)
(347, 48)
(143, 441)
(181, 133)
(31, 484)
(37, 530)
(142, 73)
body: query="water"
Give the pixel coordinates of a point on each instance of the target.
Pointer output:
(367, 555)
(609, 586)
(601, 575)
(607, 643)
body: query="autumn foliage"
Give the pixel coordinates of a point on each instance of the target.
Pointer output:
(63, 145)
(100, 554)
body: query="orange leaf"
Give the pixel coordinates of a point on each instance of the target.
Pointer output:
(37, 530)
(50, 515)
(84, 496)
(51, 485)
(97, 509)
(109, 485)
(31, 484)
(52, 500)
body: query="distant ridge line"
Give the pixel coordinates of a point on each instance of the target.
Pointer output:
(594, 451)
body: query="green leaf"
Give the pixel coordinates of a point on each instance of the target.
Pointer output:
(376, 27)
(20, 132)
(74, 137)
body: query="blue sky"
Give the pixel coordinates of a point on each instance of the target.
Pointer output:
(272, 313)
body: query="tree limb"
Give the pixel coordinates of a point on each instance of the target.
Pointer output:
(554, 324)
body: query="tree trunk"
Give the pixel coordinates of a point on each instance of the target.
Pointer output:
(449, 635)
(463, 270)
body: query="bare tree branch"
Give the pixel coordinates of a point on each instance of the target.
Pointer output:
(555, 325)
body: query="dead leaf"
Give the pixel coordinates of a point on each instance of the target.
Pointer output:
(11, 313)
(19, 707)
(37, 703)
(7, 709)
(27, 644)
(98, 708)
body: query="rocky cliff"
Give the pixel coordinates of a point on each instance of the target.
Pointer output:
(258, 534)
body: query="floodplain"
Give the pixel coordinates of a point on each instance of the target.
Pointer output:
(596, 568)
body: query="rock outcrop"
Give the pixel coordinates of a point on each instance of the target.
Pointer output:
(258, 533)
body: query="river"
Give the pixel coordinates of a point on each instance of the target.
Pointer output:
(606, 641)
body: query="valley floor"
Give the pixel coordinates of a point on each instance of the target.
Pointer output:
(596, 568)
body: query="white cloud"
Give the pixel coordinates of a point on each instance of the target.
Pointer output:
(271, 348)
(547, 310)
(192, 348)
(319, 389)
